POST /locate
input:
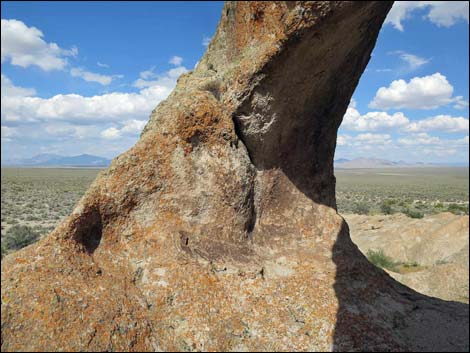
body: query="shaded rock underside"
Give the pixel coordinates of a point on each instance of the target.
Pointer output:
(218, 229)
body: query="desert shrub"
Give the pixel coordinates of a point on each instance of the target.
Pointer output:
(386, 208)
(18, 237)
(361, 208)
(457, 209)
(413, 213)
(379, 259)
(420, 205)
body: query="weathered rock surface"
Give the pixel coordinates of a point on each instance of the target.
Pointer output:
(218, 229)
(438, 243)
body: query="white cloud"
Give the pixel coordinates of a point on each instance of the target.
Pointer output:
(168, 79)
(177, 72)
(133, 127)
(412, 147)
(410, 140)
(9, 89)
(447, 13)
(362, 140)
(24, 47)
(130, 127)
(84, 110)
(373, 121)
(91, 77)
(149, 78)
(176, 60)
(442, 123)
(382, 121)
(352, 103)
(428, 92)
(411, 61)
(441, 13)
(106, 66)
(419, 139)
(111, 133)
(368, 138)
(460, 103)
(343, 140)
(21, 105)
(206, 41)
(401, 10)
(148, 73)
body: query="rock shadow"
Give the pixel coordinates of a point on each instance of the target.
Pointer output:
(377, 313)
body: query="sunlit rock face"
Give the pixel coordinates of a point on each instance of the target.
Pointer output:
(218, 229)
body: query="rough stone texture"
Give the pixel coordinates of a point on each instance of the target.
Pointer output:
(438, 243)
(218, 229)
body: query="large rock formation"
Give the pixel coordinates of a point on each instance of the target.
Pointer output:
(218, 229)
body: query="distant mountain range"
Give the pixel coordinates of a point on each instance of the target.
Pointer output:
(88, 160)
(343, 163)
(55, 160)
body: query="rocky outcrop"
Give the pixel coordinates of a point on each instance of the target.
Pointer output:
(218, 229)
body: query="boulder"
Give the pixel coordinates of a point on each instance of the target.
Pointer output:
(218, 229)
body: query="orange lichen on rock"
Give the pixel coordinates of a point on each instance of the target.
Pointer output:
(218, 229)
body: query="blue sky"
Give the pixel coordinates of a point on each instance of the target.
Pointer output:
(83, 77)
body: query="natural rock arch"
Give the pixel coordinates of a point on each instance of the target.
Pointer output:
(218, 229)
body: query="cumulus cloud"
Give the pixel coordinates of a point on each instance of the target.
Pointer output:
(176, 60)
(404, 138)
(84, 110)
(382, 121)
(411, 147)
(106, 66)
(133, 127)
(419, 139)
(61, 131)
(369, 138)
(130, 127)
(91, 77)
(9, 89)
(440, 13)
(111, 133)
(21, 105)
(373, 121)
(24, 46)
(428, 92)
(365, 139)
(442, 123)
